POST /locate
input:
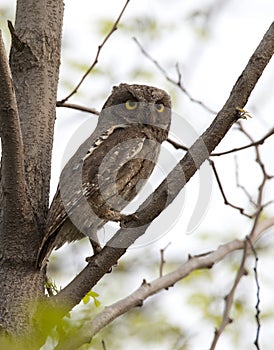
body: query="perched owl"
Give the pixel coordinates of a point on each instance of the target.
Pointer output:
(110, 167)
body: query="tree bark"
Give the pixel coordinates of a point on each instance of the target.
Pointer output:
(27, 124)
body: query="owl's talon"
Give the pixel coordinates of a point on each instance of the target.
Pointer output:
(88, 259)
(127, 218)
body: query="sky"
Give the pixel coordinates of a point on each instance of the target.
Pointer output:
(211, 53)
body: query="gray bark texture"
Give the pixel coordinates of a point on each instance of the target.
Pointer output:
(28, 88)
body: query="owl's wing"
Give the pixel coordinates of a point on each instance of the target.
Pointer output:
(68, 191)
(105, 161)
(112, 171)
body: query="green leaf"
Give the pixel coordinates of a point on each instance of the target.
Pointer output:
(93, 295)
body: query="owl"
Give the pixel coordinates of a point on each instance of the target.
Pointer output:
(109, 168)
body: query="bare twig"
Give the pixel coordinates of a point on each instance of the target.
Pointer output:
(217, 154)
(177, 82)
(104, 345)
(226, 320)
(238, 184)
(258, 156)
(112, 30)
(177, 145)
(77, 107)
(257, 306)
(259, 202)
(162, 254)
(252, 144)
(257, 316)
(226, 202)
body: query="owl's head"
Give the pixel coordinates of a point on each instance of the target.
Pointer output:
(141, 104)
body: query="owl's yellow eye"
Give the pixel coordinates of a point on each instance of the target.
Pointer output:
(131, 105)
(159, 107)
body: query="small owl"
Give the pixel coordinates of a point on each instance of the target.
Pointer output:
(109, 168)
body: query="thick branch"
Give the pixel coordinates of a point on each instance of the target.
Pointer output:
(147, 289)
(175, 181)
(86, 333)
(15, 202)
(34, 62)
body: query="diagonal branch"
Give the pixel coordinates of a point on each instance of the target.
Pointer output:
(207, 260)
(204, 261)
(226, 320)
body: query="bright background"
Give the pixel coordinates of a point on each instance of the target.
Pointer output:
(211, 41)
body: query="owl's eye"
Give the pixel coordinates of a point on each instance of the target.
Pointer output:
(160, 107)
(131, 105)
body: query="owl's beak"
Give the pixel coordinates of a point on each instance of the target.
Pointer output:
(149, 115)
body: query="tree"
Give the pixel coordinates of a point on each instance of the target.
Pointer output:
(28, 103)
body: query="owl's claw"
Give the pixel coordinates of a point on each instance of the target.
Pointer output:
(96, 249)
(128, 218)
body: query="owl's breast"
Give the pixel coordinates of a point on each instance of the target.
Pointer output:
(118, 169)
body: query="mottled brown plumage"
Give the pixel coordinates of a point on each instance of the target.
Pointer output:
(108, 169)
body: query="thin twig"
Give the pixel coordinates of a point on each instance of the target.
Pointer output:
(226, 202)
(217, 154)
(226, 320)
(162, 254)
(259, 203)
(77, 107)
(238, 184)
(252, 144)
(104, 345)
(112, 30)
(257, 306)
(177, 82)
(258, 156)
(177, 145)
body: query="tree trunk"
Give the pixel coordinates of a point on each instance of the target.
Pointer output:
(27, 124)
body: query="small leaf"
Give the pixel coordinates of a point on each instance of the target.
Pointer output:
(86, 299)
(93, 295)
